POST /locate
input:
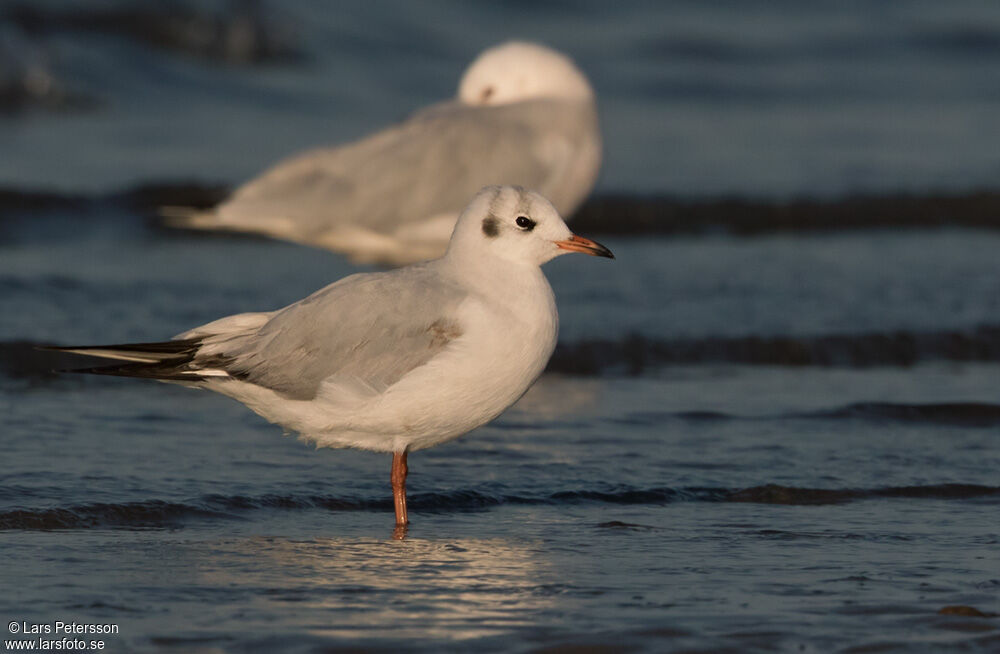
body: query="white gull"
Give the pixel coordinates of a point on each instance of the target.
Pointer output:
(524, 115)
(390, 361)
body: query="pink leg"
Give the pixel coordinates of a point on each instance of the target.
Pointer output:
(398, 478)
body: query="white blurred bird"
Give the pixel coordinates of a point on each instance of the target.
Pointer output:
(524, 115)
(390, 361)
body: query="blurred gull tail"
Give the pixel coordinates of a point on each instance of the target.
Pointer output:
(190, 218)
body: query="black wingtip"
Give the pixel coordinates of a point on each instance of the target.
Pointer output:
(167, 360)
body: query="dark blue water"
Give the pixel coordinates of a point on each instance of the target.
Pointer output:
(785, 442)
(759, 98)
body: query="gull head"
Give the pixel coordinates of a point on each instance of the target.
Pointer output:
(517, 225)
(518, 71)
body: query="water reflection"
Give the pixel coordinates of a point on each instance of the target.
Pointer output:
(554, 397)
(362, 588)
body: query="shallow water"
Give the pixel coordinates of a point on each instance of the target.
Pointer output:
(774, 98)
(579, 517)
(781, 442)
(708, 506)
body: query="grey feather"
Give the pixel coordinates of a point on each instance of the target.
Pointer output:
(427, 166)
(371, 328)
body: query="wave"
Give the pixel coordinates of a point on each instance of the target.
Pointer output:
(965, 414)
(157, 514)
(777, 494)
(958, 414)
(239, 34)
(144, 198)
(629, 214)
(634, 354)
(617, 214)
(161, 514)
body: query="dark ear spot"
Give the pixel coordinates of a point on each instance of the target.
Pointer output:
(491, 226)
(486, 94)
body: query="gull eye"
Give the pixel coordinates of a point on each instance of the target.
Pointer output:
(525, 223)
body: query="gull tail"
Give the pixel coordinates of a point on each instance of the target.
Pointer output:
(190, 218)
(167, 361)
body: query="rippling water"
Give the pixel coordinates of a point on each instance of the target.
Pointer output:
(756, 98)
(763, 439)
(654, 503)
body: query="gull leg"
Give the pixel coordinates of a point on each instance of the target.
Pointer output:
(398, 478)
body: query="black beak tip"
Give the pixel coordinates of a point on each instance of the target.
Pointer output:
(602, 251)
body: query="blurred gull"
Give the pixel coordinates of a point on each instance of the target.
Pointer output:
(524, 115)
(390, 361)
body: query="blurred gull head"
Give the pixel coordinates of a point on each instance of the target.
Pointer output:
(519, 71)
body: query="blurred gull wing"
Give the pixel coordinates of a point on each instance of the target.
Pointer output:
(395, 195)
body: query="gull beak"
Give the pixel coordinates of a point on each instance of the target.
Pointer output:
(580, 244)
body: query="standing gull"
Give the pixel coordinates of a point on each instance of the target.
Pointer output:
(524, 115)
(390, 361)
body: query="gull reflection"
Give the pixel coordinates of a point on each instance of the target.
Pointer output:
(414, 588)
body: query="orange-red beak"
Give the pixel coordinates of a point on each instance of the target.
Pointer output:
(580, 244)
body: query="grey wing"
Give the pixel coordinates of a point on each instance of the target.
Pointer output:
(430, 165)
(368, 329)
